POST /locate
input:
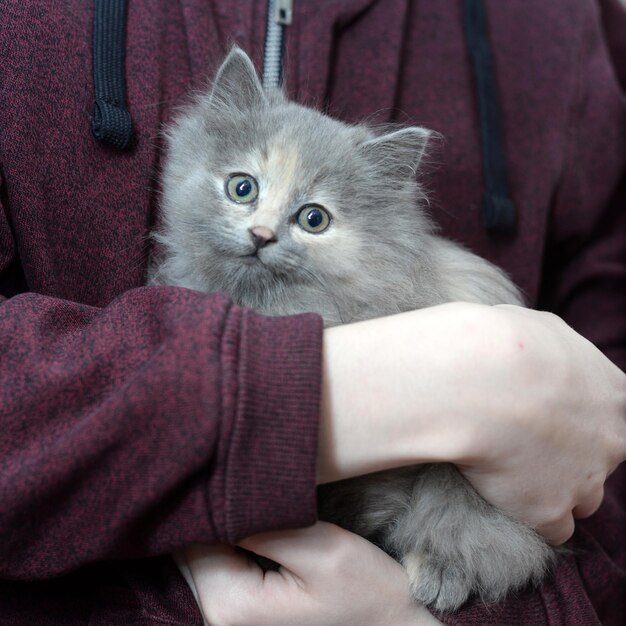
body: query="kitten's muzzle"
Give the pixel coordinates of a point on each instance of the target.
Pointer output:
(261, 236)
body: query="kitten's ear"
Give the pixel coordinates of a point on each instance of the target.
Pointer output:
(399, 151)
(237, 84)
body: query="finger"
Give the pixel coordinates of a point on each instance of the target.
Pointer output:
(300, 550)
(558, 532)
(199, 555)
(230, 586)
(221, 570)
(591, 504)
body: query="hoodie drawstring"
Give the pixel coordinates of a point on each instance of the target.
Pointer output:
(111, 123)
(498, 211)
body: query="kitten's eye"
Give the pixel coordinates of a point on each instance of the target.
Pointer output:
(241, 188)
(313, 218)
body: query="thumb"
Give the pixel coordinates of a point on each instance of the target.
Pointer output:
(220, 571)
(300, 550)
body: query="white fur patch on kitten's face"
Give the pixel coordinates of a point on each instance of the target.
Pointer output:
(278, 212)
(279, 168)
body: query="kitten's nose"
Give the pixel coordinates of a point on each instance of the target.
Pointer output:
(261, 236)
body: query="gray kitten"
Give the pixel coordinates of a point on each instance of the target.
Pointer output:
(287, 210)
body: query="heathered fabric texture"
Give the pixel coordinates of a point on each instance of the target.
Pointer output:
(136, 419)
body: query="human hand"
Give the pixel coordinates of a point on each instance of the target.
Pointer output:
(328, 577)
(534, 414)
(565, 431)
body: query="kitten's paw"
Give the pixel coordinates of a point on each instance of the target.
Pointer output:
(444, 588)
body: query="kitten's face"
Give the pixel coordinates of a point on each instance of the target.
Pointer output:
(280, 206)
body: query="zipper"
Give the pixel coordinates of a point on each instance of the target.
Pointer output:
(279, 16)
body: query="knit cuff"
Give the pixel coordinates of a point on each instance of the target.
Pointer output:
(272, 456)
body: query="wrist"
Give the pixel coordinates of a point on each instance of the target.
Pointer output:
(394, 390)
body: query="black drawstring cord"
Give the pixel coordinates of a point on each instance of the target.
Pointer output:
(498, 211)
(111, 123)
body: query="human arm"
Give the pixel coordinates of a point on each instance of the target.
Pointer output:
(148, 424)
(375, 384)
(532, 412)
(121, 385)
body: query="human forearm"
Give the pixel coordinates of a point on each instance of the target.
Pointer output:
(152, 422)
(386, 390)
(533, 413)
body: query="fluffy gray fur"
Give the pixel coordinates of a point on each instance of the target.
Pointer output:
(381, 254)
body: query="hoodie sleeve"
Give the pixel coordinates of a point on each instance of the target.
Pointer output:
(166, 418)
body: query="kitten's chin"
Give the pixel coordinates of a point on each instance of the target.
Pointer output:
(251, 276)
(254, 267)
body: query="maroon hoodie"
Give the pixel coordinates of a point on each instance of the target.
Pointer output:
(134, 419)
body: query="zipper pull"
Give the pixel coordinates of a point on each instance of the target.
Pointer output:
(283, 12)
